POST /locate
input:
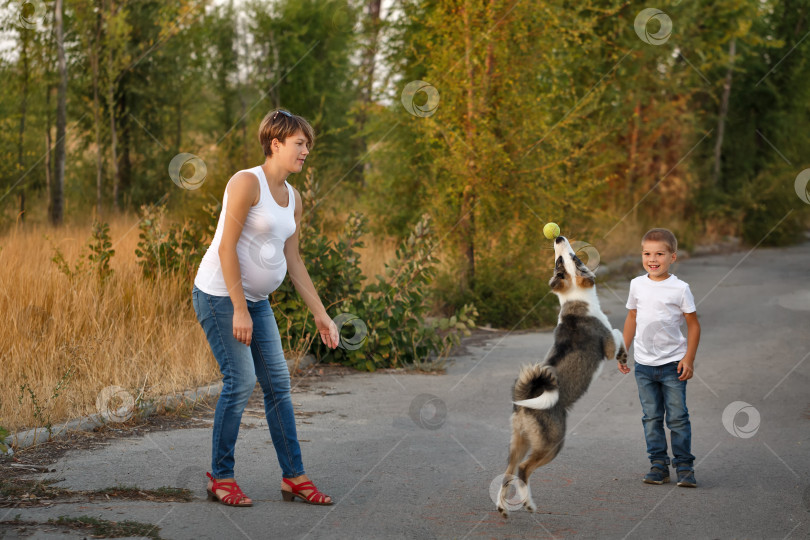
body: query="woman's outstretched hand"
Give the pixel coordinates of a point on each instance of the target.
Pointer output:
(328, 331)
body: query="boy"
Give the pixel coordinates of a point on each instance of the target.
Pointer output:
(664, 359)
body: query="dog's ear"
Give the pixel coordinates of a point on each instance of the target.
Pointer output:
(585, 278)
(582, 268)
(557, 282)
(559, 267)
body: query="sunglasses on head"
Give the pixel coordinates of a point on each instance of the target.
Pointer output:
(285, 113)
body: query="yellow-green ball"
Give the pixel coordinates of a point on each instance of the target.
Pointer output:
(551, 230)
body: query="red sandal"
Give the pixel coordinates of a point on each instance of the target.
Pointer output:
(234, 496)
(315, 496)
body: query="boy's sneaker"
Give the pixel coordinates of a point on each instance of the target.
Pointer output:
(686, 478)
(659, 473)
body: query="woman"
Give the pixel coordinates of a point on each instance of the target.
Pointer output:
(255, 244)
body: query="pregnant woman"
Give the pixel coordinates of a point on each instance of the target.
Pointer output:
(255, 244)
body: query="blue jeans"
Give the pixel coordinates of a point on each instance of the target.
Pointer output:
(241, 365)
(661, 393)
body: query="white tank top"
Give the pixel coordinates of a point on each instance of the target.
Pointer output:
(260, 248)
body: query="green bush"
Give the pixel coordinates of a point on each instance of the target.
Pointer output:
(3, 446)
(178, 250)
(509, 292)
(100, 252)
(390, 323)
(774, 215)
(42, 411)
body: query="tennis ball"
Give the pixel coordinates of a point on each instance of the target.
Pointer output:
(551, 230)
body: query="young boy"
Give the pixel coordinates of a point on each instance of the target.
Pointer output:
(664, 358)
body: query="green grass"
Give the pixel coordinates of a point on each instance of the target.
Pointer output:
(109, 529)
(17, 487)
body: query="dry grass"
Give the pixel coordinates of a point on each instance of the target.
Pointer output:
(374, 254)
(133, 332)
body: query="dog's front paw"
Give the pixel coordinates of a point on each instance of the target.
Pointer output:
(503, 511)
(622, 356)
(530, 506)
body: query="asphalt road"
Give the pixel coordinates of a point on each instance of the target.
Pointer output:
(404, 466)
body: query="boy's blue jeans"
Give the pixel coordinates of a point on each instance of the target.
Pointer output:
(241, 365)
(663, 395)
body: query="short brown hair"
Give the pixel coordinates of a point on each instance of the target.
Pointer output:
(662, 235)
(278, 125)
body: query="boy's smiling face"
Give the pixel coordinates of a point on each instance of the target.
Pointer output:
(657, 258)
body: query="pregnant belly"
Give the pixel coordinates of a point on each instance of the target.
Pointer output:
(262, 281)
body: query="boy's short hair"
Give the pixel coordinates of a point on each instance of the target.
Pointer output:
(662, 235)
(279, 124)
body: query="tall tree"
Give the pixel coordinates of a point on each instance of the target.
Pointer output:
(24, 53)
(518, 119)
(117, 32)
(57, 198)
(89, 23)
(302, 60)
(721, 117)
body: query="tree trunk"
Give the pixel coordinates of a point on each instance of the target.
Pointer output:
(111, 81)
(721, 121)
(49, 171)
(242, 55)
(179, 124)
(113, 133)
(94, 61)
(48, 160)
(125, 143)
(57, 200)
(23, 107)
(369, 55)
(372, 33)
(275, 68)
(467, 220)
(48, 167)
(632, 153)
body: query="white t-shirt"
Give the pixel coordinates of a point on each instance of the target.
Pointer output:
(660, 307)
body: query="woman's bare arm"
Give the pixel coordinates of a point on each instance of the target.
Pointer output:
(243, 190)
(303, 283)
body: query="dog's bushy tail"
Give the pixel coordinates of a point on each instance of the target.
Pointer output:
(536, 387)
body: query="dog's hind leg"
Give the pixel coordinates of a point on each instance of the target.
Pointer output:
(518, 447)
(536, 459)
